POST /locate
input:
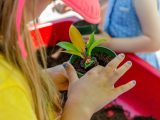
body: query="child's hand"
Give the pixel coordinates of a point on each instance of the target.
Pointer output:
(61, 7)
(59, 77)
(96, 88)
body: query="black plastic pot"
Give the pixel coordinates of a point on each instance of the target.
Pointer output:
(103, 50)
(86, 28)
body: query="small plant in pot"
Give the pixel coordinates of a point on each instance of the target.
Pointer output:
(86, 56)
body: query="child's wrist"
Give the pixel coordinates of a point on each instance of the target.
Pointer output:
(78, 109)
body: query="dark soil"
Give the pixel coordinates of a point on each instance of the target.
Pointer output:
(114, 112)
(55, 56)
(102, 60)
(143, 118)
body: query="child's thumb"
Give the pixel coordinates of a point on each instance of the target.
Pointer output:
(71, 72)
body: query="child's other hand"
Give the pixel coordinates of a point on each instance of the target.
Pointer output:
(59, 77)
(96, 88)
(61, 7)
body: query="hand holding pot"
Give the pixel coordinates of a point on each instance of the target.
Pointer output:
(59, 77)
(95, 89)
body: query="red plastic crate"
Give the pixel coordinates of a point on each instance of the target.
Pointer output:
(144, 99)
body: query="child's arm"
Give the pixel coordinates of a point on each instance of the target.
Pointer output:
(147, 12)
(103, 14)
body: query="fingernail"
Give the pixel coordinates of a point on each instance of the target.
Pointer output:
(133, 82)
(65, 65)
(129, 62)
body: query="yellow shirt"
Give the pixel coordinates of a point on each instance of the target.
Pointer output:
(15, 96)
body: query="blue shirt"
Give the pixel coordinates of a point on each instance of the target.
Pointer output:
(122, 21)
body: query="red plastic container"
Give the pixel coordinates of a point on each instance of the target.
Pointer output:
(144, 99)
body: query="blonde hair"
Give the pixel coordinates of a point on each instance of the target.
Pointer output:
(44, 92)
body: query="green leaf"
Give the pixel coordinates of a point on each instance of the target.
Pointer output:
(68, 46)
(75, 53)
(91, 40)
(96, 43)
(89, 64)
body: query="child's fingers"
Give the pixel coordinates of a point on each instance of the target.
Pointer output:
(121, 70)
(72, 75)
(124, 88)
(112, 66)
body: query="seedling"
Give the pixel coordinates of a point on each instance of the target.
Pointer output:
(79, 48)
